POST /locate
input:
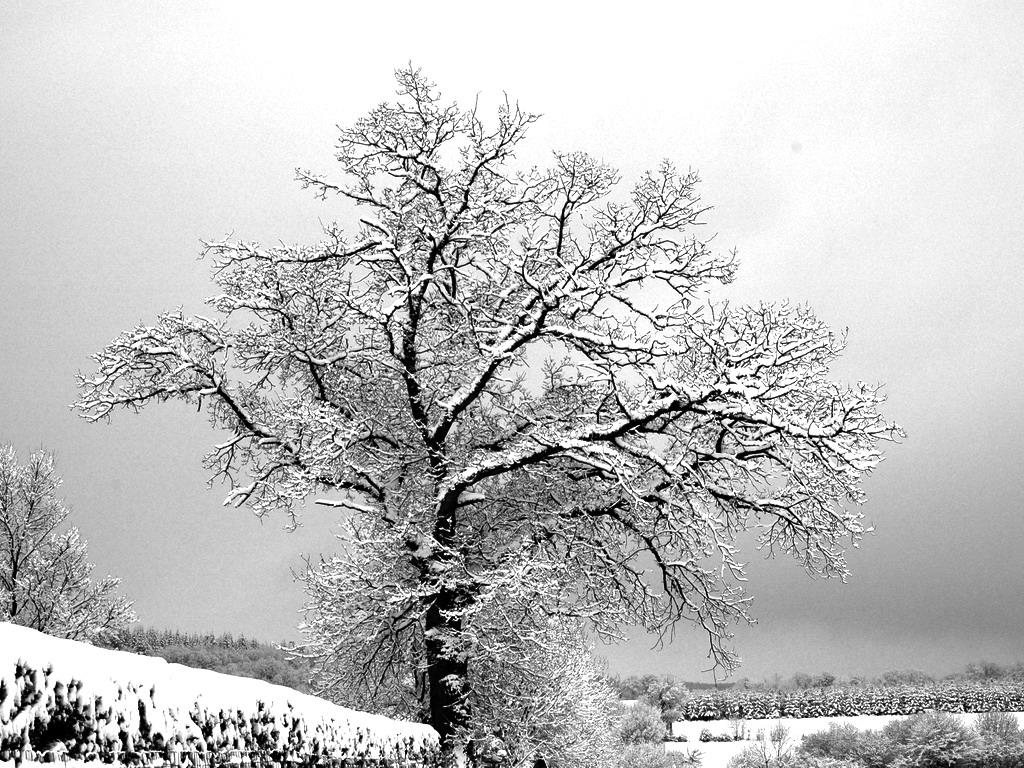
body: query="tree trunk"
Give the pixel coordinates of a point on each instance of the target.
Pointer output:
(447, 663)
(446, 674)
(15, 607)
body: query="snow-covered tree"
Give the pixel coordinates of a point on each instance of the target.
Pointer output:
(45, 576)
(510, 380)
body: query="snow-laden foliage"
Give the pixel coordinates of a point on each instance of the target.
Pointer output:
(517, 386)
(92, 702)
(45, 576)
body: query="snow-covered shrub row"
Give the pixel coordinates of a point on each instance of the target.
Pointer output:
(853, 701)
(95, 703)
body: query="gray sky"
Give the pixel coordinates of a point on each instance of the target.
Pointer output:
(867, 160)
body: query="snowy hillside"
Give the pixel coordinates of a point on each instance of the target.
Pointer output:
(62, 694)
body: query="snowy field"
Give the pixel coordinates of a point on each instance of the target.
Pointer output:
(171, 693)
(717, 754)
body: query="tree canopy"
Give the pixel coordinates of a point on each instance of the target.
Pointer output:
(514, 384)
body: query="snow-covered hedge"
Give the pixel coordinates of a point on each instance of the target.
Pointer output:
(89, 703)
(854, 701)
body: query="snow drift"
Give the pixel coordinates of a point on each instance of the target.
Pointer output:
(86, 702)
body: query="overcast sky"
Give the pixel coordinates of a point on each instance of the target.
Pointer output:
(867, 160)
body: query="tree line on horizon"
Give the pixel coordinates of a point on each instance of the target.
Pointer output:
(637, 686)
(139, 639)
(980, 671)
(225, 653)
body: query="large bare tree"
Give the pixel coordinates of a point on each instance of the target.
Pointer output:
(515, 385)
(45, 577)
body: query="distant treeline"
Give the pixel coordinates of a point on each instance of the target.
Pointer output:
(853, 701)
(677, 699)
(143, 640)
(648, 686)
(246, 657)
(979, 672)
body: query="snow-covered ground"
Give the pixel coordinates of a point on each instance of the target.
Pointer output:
(170, 692)
(798, 727)
(717, 754)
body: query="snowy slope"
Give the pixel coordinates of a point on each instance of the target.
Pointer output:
(101, 700)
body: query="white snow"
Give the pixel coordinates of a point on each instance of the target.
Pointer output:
(798, 726)
(170, 692)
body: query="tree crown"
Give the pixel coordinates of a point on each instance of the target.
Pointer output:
(515, 384)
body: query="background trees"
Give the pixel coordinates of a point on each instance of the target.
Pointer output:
(220, 653)
(515, 387)
(45, 577)
(663, 692)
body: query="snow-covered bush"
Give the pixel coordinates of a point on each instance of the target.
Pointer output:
(930, 740)
(807, 761)
(999, 753)
(839, 741)
(998, 725)
(642, 724)
(647, 755)
(935, 739)
(94, 703)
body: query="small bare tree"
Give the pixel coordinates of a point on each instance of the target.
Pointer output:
(45, 577)
(516, 387)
